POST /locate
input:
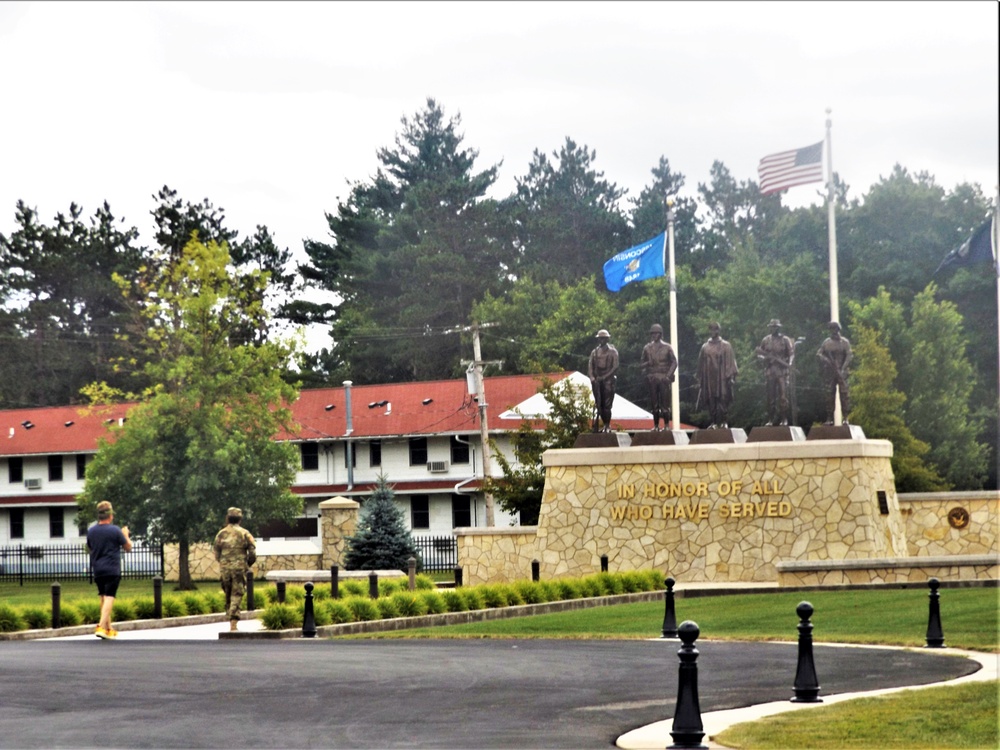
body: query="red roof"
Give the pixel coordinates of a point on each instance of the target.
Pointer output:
(387, 410)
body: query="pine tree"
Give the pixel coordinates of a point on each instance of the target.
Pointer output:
(383, 542)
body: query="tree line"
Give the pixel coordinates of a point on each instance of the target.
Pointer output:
(424, 246)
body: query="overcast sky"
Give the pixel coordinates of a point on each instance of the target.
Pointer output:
(270, 109)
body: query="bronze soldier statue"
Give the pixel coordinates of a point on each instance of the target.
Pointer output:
(834, 356)
(659, 363)
(235, 551)
(717, 373)
(777, 352)
(602, 368)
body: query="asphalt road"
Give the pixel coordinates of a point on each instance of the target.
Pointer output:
(399, 694)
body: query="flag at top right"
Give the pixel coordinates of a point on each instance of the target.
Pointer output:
(790, 168)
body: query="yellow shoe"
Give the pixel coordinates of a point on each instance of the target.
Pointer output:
(101, 633)
(112, 633)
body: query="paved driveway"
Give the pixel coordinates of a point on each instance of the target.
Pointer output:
(398, 694)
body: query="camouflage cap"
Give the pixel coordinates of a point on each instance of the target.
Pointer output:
(234, 512)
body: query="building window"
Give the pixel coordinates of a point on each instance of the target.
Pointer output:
(55, 468)
(310, 456)
(81, 466)
(459, 451)
(418, 451)
(375, 453)
(15, 469)
(350, 449)
(420, 512)
(57, 521)
(17, 523)
(461, 511)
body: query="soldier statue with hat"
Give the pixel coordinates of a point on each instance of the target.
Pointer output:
(235, 551)
(601, 368)
(658, 363)
(776, 352)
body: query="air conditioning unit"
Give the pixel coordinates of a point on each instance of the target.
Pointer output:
(33, 484)
(437, 467)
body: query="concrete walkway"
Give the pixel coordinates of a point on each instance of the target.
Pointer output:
(656, 736)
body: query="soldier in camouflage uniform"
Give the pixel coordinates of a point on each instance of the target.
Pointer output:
(235, 551)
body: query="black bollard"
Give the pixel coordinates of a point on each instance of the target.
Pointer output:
(250, 602)
(334, 581)
(411, 568)
(373, 585)
(157, 597)
(536, 568)
(935, 636)
(806, 685)
(604, 563)
(280, 590)
(687, 729)
(309, 617)
(56, 604)
(458, 577)
(669, 618)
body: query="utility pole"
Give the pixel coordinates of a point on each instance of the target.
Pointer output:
(484, 436)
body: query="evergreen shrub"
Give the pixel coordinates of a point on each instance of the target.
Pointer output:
(144, 607)
(493, 595)
(281, 617)
(530, 591)
(473, 598)
(408, 604)
(362, 608)
(337, 611)
(353, 587)
(454, 601)
(194, 603)
(122, 610)
(215, 600)
(434, 601)
(174, 606)
(36, 618)
(69, 616)
(382, 540)
(569, 588)
(90, 610)
(10, 619)
(424, 582)
(387, 609)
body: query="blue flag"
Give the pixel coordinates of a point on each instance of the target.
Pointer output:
(977, 249)
(644, 261)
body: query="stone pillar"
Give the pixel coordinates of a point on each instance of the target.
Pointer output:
(338, 520)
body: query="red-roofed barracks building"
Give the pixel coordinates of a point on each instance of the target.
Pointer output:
(424, 437)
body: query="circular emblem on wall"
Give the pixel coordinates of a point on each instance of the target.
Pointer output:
(958, 518)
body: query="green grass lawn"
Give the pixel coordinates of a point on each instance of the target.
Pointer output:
(886, 616)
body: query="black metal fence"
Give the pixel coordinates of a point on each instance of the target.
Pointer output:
(35, 562)
(437, 553)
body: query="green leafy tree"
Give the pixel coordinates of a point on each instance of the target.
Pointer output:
(519, 490)
(202, 436)
(940, 380)
(382, 541)
(877, 406)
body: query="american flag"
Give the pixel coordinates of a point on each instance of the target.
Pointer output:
(790, 168)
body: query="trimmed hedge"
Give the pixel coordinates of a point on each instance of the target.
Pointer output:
(354, 604)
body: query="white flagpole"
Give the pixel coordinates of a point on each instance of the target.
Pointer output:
(675, 387)
(832, 234)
